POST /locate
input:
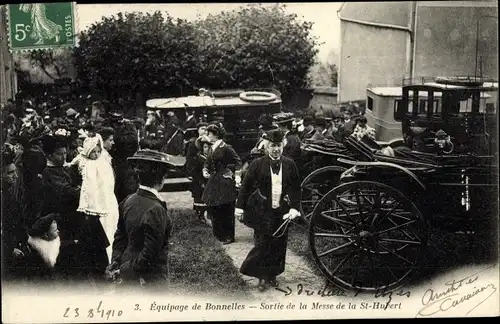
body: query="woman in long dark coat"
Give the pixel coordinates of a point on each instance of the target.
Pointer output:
(277, 179)
(220, 193)
(199, 182)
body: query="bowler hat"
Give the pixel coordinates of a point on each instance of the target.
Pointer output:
(42, 225)
(156, 156)
(275, 136)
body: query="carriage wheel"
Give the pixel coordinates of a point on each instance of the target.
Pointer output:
(316, 185)
(367, 235)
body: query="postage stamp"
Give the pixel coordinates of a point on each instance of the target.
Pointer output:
(41, 25)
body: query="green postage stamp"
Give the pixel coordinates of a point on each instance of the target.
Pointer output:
(41, 25)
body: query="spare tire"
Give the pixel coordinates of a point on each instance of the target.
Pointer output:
(258, 96)
(465, 81)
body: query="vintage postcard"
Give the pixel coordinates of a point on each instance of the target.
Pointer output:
(246, 161)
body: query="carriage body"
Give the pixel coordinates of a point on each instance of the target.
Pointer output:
(370, 231)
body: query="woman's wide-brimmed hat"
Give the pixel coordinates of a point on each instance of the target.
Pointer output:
(283, 117)
(217, 129)
(157, 156)
(200, 141)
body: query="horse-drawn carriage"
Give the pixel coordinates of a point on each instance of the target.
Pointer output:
(368, 225)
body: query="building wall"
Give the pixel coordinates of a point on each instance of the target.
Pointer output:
(8, 78)
(370, 55)
(446, 39)
(445, 42)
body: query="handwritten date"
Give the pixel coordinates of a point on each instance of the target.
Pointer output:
(99, 311)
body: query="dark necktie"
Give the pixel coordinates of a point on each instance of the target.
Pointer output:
(275, 166)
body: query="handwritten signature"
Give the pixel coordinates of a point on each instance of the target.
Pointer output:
(435, 302)
(331, 291)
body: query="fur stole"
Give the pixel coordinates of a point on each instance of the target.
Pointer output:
(47, 250)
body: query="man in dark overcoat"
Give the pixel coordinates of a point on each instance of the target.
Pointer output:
(141, 243)
(152, 136)
(292, 142)
(277, 179)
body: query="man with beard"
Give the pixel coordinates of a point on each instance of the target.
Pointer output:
(277, 179)
(153, 135)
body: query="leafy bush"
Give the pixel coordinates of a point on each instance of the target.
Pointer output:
(256, 46)
(137, 53)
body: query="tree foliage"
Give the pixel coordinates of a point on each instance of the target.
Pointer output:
(255, 46)
(137, 53)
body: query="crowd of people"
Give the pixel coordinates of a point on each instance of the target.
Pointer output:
(80, 193)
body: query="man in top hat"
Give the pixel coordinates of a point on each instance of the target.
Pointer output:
(321, 125)
(140, 247)
(278, 180)
(191, 121)
(291, 147)
(308, 127)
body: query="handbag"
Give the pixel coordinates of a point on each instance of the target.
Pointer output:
(256, 207)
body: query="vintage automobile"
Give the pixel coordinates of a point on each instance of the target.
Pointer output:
(238, 110)
(370, 231)
(383, 103)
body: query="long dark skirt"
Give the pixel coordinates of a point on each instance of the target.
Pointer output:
(222, 217)
(267, 259)
(92, 243)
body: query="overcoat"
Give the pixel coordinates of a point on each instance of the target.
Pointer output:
(141, 241)
(222, 164)
(259, 177)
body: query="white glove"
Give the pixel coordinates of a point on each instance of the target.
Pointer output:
(292, 214)
(206, 175)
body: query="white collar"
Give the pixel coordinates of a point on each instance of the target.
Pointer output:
(50, 163)
(151, 190)
(216, 144)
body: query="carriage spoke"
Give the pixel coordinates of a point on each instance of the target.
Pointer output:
(400, 241)
(337, 220)
(356, 193)
(403, 231)
(396, 254)
(341, 263)
(346, 212)
(335, 249)
(395, 227)
(382, 219)
(334, 235)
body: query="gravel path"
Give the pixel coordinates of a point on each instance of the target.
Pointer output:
(296, 270)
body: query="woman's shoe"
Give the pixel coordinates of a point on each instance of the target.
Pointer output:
(273, 282)
(228, 241)
(262, 285)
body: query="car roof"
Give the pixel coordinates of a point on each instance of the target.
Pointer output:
(398, 91)
(201, 101)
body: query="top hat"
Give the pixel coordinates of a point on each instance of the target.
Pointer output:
(156, 156)
(275, 136)
(321, 121)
